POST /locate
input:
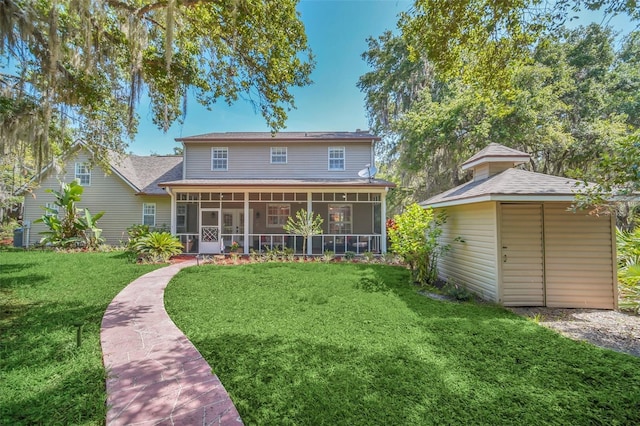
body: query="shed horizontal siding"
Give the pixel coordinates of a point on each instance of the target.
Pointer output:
(107, 192)
(253, 160)
(472, 261)
(579, 259)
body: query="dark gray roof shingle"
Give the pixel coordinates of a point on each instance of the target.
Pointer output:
(280, 136)
(144, 173)
(511, 182)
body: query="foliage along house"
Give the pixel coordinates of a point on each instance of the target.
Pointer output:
(238, 187)
(514, 239)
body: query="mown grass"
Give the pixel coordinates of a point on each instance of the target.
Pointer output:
(354, 344)
(44, 377)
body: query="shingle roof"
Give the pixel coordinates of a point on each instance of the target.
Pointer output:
(279, 182)
(285, 136)
(144, 173)
(512, 184)
(495, 152)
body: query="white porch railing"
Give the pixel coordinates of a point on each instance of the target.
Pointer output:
(260, 243)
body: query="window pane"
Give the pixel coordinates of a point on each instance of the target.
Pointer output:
(277, 214)
(83, 173)
(336, 158)
(278, 155)
(219, 158)
(340, 219)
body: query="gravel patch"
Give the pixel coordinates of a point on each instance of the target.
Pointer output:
(614, 330)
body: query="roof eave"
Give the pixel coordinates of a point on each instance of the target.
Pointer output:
(501, 197)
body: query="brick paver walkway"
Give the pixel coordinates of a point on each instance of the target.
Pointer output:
(155, 375)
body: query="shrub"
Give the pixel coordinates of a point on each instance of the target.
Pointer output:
(458, 292)
(628, 247)
(328, 256)
(414, 237)
(66, 226)
(349, 255)
(157, 246)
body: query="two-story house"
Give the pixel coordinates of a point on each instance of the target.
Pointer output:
(239, 187)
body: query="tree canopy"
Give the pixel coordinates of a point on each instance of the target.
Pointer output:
(83, 65)
(573, 106)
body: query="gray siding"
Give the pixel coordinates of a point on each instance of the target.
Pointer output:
(253, 160)
(472, 261)
(579, 259)
(107, 192)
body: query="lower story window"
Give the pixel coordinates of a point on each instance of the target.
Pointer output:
(149, 214)
(277, 214)
(340, 219)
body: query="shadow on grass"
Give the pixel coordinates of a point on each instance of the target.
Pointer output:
(76, 398)
(282, 381)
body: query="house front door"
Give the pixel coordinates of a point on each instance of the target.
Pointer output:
(210, 231)
(522, 255)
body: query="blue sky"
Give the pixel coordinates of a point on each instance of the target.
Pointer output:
(337, 31)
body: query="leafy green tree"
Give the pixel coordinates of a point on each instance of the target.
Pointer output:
(67, 227)
(85, 64)
(414, 236)
(304, 224)
(484, 41)
(567, 108)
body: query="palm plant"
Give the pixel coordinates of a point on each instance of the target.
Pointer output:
(628, 246)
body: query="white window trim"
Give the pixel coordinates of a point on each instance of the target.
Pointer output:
(145, 214)
(344, 158)
(286, 155)
(78, 176)
(220, 148)
(350, 230)
(53, 207)
(278, 225)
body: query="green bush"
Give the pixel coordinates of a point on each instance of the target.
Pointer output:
(414, 236)
(157, 246)
(628, 247)
(349, 255)
(458, 292)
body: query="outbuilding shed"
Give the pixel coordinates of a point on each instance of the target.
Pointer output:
(515, 241)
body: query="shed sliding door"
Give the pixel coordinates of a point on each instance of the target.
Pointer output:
(522, 255)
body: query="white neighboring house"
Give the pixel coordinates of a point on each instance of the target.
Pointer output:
(238, 187)
(519, 244)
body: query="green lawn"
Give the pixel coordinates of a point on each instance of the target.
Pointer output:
(354, 344)
(44, 377)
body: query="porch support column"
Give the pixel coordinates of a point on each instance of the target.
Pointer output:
(383, 219)
(309, 210)
(247, 221)
(173, 211)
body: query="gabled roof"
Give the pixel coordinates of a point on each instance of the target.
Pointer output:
(144, 173)
(281, 136)
(495, 153)
(510, 185)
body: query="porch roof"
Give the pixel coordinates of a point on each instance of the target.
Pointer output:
(297, 183)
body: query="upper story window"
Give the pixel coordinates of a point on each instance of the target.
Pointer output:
(149, 214)
(336, 158)
(278, 155)
(83, 174)
(220, 158)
